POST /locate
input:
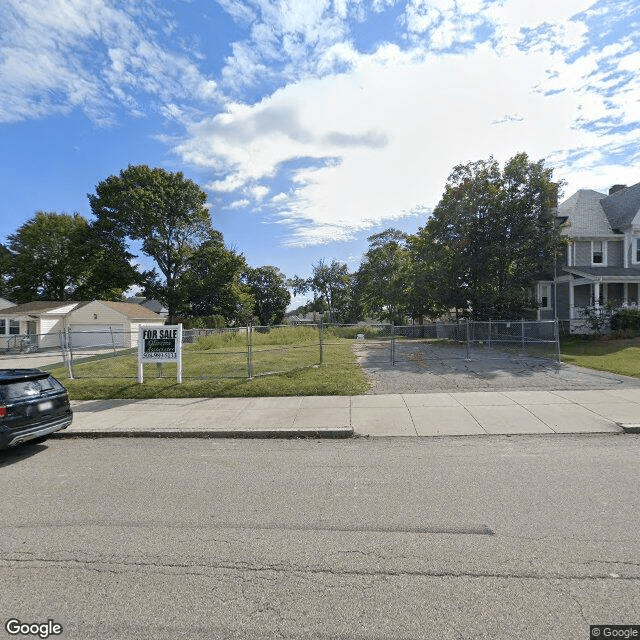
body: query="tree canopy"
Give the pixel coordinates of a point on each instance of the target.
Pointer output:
(329, 282)
(211, 284)
(491, 234)
(56, 256)
(383, 277)
(163, 210)
(268, 286)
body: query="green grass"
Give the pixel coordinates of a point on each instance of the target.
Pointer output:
(616, 356)
(216, 366)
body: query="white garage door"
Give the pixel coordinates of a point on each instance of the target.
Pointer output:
(98, 335)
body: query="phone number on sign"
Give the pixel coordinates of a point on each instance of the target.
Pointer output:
(159, 356)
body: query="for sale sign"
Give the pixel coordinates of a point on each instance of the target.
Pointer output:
(160, 344)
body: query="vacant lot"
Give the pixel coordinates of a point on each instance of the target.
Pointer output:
(287, 362)
(425, 366)
(282, 362)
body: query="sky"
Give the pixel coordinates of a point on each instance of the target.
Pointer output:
(311, 124)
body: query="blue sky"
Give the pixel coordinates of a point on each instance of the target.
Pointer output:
(311, 124)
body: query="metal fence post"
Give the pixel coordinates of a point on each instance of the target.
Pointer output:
(468, 358)
(113, 341)
(65, 358)
(249, 351)
(522, 332)
(556, 331)
(321, 329)
(489, 332)
(393, 347)
(70, 347)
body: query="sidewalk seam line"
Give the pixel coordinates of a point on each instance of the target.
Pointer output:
(540, 420)
(413, 422)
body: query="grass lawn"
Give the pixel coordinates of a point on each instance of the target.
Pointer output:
(285, 362)
(616, 356)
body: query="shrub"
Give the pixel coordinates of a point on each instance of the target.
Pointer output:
(626, 320)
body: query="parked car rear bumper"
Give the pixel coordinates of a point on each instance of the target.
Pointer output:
(12, 438)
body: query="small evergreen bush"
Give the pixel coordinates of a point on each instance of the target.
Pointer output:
(626, 320)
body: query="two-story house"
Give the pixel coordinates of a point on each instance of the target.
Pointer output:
(602, 259)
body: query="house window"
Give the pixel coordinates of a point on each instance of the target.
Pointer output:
(598, 252)
(544, 297)
(3, 326)
(637, 251)
(14, 327)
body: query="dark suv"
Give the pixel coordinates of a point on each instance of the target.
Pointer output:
(33, 404)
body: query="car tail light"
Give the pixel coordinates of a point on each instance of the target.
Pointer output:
(3, 411)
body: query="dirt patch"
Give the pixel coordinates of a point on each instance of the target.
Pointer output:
(423, 367)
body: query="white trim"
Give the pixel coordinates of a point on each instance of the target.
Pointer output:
(571, 298)
(604, 254)
(547, 284)
(635, 246)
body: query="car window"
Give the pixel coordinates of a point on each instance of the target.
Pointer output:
(28, 388)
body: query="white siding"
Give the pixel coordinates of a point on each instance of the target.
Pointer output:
(49, 329)
(105, 316)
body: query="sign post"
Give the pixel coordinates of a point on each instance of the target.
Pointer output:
(160, 344)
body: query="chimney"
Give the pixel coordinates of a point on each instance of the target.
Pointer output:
(617, 187)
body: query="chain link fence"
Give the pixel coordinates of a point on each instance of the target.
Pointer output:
(247, 352)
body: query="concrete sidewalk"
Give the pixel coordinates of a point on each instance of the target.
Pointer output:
(432, 414)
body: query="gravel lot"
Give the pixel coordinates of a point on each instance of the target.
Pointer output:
(422, 367)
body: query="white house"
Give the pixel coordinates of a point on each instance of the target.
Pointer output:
(40, 324)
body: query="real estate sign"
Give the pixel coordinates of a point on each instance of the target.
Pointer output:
(160, 344)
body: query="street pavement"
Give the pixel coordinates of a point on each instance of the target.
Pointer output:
(421, 415)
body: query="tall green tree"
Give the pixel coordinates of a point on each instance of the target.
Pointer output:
(494, 231)
(5, 271)
(384, 276)
(56, 256)
(270, 292)
(211, 284)
(165, 211)
(435, 278)
(330, 283)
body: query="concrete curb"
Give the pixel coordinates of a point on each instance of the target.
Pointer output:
(629, 427)
(286, 433)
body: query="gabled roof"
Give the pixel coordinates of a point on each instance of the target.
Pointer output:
(39, 307)
(131, 310)
(622, 206)
(585, 215)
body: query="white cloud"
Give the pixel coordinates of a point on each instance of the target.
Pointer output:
(378, 142)
(238, 204)
(257, 192)
(59, 55)
(288, 38)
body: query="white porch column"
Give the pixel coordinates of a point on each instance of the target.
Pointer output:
(571, 299)
(625, 295)
(596, 295)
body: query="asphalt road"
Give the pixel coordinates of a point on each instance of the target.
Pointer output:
(491, 537)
